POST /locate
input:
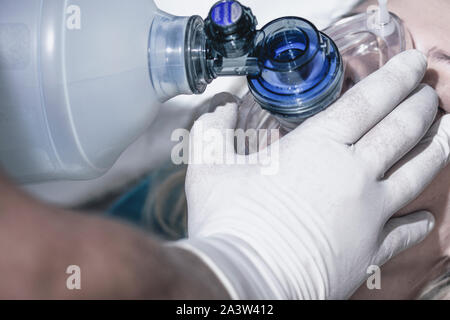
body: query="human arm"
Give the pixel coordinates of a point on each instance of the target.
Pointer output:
(39, 242)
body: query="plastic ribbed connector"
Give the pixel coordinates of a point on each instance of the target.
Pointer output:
(167, 60)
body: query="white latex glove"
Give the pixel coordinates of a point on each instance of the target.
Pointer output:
(312, 230)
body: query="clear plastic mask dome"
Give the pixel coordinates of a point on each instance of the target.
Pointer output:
(365, 42)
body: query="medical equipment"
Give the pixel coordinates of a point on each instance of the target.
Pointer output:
(81, 80)
(365, 41)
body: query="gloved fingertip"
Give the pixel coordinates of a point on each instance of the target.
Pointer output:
(403, 233)
(445, 123)
(422, 223)
(224, 117)
(444, 136)
(230, 108)
(228, 114)
(412, 58)
(431, 223)
(427, 218)
(422, 56)
(428, 92)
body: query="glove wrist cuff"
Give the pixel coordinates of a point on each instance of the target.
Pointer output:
(235, 271)
(207, 260)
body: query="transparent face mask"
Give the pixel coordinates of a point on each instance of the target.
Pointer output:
(364, 43)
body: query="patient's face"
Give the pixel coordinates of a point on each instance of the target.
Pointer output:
(407, 273)
(428, 22)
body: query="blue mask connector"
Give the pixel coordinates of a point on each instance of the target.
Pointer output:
(301, 70)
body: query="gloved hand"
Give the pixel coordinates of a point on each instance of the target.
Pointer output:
(312, 229)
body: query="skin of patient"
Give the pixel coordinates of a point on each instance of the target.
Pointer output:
(404, 276)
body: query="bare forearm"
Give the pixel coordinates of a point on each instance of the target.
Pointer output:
(38, 243)
(119, 262)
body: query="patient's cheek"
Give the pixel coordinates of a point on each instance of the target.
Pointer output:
(435, 198)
